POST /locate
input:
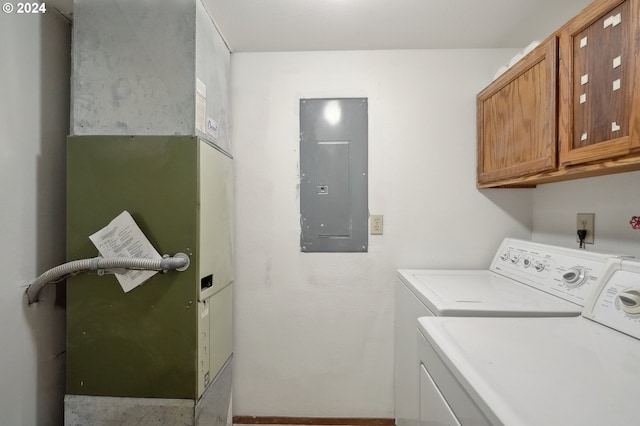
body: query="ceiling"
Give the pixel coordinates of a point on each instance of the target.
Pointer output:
(302, 25)
(308, 25)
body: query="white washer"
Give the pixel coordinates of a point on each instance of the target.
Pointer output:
(538, 371)
(525, 279)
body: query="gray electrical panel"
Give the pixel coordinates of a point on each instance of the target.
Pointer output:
(333, 175)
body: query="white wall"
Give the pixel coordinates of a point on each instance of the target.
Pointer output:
(614, 200)
(546, 17)
(34, 117)
(313, 332)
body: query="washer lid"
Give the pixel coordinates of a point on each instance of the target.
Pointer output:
(481, 293)
(541, 371)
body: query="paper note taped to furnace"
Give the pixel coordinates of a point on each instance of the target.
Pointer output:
(123, 238)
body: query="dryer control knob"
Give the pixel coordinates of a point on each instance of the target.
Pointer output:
(630, 301)
(574, 277)
(540, 266)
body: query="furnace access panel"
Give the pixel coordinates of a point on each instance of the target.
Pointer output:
(169, 337)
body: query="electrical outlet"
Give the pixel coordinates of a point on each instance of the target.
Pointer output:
(585, 221)
(376, 224)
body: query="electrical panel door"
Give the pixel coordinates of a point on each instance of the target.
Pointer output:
(333, 175)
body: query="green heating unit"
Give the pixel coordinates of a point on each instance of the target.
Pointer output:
(170, 338)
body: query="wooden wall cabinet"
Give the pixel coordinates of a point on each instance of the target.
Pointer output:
(595, 128)
(516, 115)
(600, 83)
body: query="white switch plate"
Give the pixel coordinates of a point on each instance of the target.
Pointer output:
(377, 224)
(586, 221)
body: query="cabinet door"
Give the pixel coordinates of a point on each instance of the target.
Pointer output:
(600, 83)
(517, 130)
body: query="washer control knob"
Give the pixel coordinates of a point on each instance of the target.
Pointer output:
(574, 277)
(630, 301)
(514, 257)
(526, 262)
(504, 256)
(540, 266)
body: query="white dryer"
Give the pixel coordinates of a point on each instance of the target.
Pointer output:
(537, 371)
(525, 279)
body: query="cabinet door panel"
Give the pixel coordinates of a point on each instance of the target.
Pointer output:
(599, 83)
(517, 119)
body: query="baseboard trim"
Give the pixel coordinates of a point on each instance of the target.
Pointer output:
(322, 421)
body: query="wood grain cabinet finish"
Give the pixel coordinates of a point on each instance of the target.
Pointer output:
(524, 140)
(517, 130)
(600, 83)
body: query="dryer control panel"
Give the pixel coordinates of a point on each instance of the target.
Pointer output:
(567, 273)
(616, 300)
